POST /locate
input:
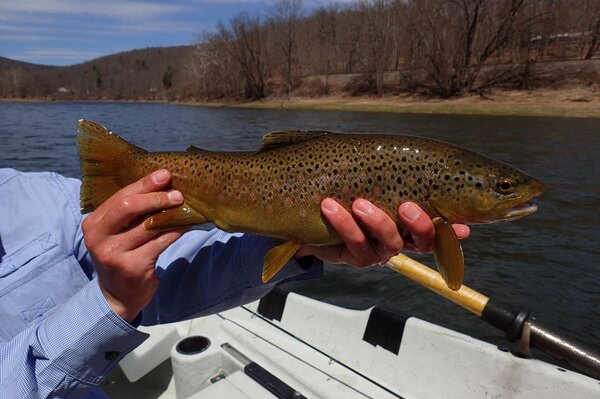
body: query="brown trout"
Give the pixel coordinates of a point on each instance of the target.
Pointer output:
(277, 190)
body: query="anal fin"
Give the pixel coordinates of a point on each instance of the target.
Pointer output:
(448, 254)
(277, 257)
(180, 216)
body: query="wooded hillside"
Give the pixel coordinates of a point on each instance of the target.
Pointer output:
(148, 74)
(371, 47)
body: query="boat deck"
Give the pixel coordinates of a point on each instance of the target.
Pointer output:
(293, 346)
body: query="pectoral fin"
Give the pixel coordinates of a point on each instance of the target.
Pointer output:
(276, 258)
(180, 216)
(448, 254)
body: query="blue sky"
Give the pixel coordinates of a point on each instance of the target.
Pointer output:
(65, 32)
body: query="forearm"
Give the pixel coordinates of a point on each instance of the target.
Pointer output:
(70, 352)
(207, 272)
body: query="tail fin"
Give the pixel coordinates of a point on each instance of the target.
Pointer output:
(105, 163)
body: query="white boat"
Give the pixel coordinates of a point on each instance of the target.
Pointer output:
(290, 346)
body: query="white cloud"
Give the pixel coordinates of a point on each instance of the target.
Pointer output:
(60, 53)
(41, 20)
(22, 37)
(106, 8)
(64, 55)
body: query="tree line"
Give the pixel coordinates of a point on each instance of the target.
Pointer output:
(442, 48)
(146, 74)
(439, 48)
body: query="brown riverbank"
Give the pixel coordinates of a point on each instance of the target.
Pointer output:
(575, 102)
(580, 102)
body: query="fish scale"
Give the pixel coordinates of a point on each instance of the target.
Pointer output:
(277, 191)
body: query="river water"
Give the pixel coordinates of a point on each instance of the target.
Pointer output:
(548, 262)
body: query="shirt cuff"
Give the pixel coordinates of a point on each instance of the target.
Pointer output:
(85, 338)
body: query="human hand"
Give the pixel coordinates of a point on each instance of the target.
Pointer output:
(371, 237)
(124, 252)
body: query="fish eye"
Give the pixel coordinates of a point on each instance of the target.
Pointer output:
(505, 186)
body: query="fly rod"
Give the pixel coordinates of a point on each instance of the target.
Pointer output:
(518, 325)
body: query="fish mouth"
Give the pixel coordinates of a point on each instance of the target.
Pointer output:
(518, 211)
(526, 207)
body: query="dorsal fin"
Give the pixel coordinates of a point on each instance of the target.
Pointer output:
(193, 148)
(286, 137)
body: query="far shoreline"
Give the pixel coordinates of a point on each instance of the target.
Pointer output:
(576, 102)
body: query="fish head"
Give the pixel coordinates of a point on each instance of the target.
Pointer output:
(474, 189)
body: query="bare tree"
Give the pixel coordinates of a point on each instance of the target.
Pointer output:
(244, 41)
(351, 30)
(13, 83)
(215, 71)
(5, 91)
(326, 51)
(378, 37)
(285, 21)
(399, 40)
(459, 37)
(591, 27)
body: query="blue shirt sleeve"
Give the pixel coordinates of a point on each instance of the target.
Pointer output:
(70, 352)
(207, 272)
(59, 337)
